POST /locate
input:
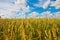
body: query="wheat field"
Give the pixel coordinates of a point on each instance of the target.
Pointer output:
(30, 29)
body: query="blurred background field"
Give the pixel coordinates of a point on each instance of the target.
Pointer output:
(30, 29)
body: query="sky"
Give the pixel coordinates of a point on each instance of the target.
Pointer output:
(30, 8)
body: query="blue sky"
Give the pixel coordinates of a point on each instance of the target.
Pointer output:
(29, 8)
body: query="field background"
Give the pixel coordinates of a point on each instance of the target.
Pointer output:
(30, 29)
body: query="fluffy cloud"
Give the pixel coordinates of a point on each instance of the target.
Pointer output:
(50, 15)
(8, 9)
(57, 15)
(56, 4)
(46, 15)
(33, 15)
(43, 3)
(20, 2)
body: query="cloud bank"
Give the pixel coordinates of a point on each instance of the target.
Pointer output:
(56, 4)
(8, 9)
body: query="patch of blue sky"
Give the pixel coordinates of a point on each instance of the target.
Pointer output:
(33, 1)
(41, 9)
(52, 9)
(53, 0)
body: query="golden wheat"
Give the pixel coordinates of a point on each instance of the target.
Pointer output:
(30, 29)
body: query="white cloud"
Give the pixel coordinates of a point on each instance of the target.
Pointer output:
(43, 3)
(47, 2)
(33, 15)
(56, 4)
(46, 14)
(8, 9)
(57, 14)
(50, 15)
(21, 2)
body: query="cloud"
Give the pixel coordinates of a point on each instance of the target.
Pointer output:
(20, 2)
(43, 3)
(46, 15)
(57, 15)
(33, 15)
(46, 3)
(56, 4)
(11, 10)
(6, 9)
